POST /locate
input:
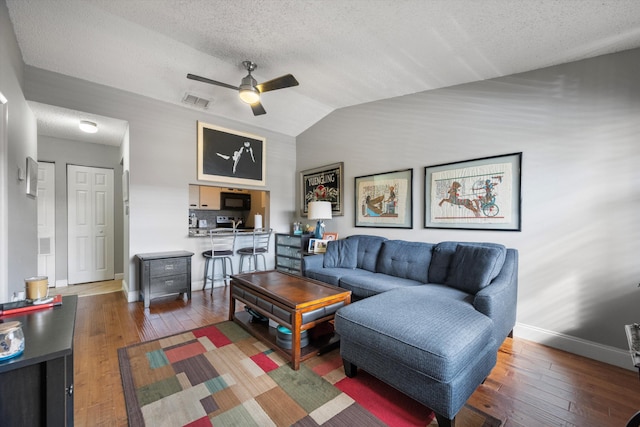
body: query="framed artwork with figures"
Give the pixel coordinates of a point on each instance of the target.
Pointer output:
(477, 194)
(230, 156)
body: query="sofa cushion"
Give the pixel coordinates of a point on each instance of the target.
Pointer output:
(368, 249)
(474, 267)
(407, 260)
(332, 276)
(442, 255)
(367, 284)
(435, 336)
(341, 253)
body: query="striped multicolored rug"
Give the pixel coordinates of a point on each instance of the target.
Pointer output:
(221, 376)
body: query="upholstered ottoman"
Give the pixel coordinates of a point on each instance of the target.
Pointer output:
(437, 350)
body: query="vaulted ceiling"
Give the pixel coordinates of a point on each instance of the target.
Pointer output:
(343, 52)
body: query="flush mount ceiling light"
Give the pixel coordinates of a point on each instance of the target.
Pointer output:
(87, 126)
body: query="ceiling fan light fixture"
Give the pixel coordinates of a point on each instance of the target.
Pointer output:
(87, 126)
(248, 91)
(249, 95)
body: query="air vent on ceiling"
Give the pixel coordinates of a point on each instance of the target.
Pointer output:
(196, 101)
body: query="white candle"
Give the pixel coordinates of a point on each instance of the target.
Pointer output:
(257, 221)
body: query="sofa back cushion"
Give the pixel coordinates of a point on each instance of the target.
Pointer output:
(474, 266)
(368, 249)
(408, 260)
(442, 256)
(341, 254)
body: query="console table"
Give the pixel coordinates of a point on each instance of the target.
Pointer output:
(164, 273)
(36, 388)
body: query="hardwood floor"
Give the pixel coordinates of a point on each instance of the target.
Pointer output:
(532, 385)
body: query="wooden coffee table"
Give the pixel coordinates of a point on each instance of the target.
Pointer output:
(298, 303)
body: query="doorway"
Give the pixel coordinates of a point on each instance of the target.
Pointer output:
(90, 197)
(46, 214)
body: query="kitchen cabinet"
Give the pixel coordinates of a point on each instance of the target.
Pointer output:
(209, 198)
(290, 248)
(194, 196)
(164, 273)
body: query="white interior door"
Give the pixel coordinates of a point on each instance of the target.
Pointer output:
(90, 224)
(46, 203)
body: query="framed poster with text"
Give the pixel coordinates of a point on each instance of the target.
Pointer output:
(323, 184)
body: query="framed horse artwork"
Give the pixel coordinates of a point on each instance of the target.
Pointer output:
(478, 194)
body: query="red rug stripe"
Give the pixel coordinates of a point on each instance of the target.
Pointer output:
(385, 402)
(200, 422)
(265, 363)
(215, 336)
(184, 352)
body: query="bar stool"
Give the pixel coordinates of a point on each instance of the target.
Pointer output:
(261, 238)
(222, 247)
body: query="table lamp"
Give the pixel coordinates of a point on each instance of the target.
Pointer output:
(319, 211)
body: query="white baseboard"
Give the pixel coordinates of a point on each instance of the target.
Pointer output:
(603, 353)
(118, 276)
(62, 283)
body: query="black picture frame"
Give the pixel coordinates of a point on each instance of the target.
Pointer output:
(230, 156)
(324, 183)
(477, 194)
(384, 200)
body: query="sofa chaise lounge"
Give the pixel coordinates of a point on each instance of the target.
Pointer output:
(428, 319)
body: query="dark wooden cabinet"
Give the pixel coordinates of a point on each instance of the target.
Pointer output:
(36, 388)
(164, 273)
(290, 248)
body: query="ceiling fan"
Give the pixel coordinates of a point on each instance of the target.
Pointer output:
(249, 90)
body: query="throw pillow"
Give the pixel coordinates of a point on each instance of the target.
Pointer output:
(474, 267)
(341, 253)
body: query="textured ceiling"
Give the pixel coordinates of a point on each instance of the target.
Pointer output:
(64, 123)
(342, 52)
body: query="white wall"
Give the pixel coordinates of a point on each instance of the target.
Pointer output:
(19, 234)
(578, 126)
(162, 161)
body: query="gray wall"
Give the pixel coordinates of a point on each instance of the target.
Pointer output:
(161, 159)
(577, 126)
(64, 152)
(18, 216)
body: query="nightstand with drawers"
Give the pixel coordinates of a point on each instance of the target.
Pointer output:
(164, 273)
(290, 248)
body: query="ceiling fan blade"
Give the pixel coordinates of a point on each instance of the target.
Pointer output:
(258, 109)
(212, 82)
(278, 83)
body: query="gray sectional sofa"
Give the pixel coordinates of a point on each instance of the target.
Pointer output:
(426, 318)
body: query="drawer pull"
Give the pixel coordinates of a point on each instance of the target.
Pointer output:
(168, 283)
(168, 267)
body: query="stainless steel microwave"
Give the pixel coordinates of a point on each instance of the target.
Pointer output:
(235, 201)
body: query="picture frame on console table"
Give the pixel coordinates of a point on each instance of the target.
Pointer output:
(230, 156)
(477, 194)
(384, 200)
(323, 184)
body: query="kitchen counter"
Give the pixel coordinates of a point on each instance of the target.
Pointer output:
(204, 232)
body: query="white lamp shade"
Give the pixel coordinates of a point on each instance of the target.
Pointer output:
(319, 210)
